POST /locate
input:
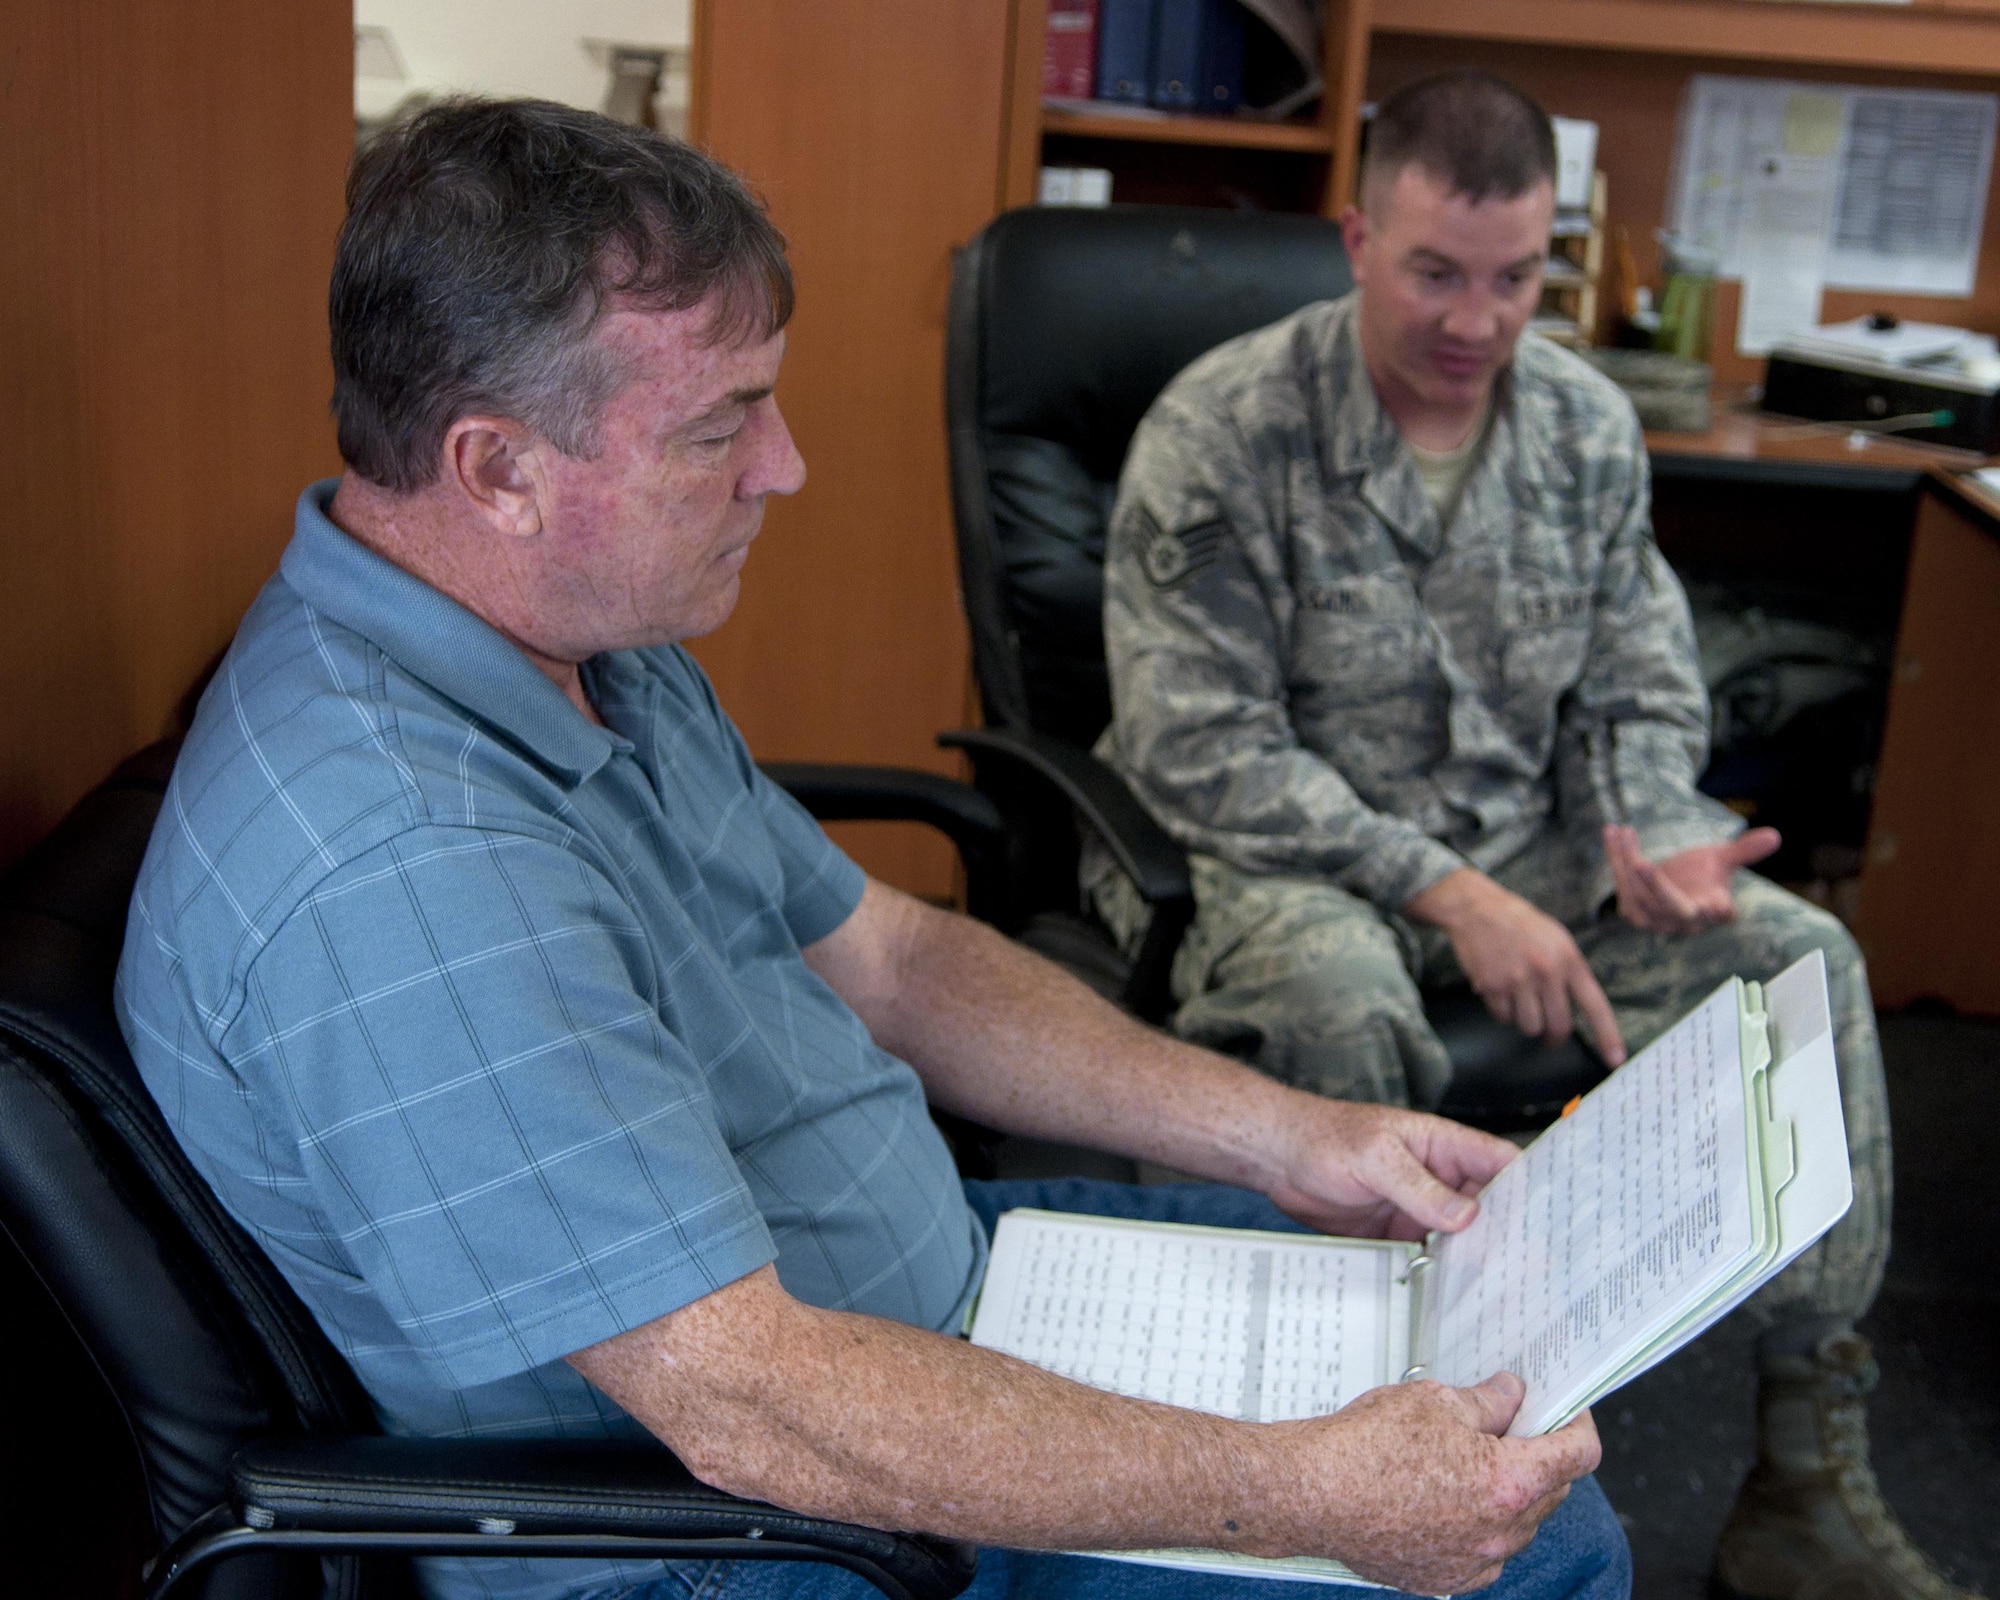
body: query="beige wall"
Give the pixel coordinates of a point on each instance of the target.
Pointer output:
(516, 47)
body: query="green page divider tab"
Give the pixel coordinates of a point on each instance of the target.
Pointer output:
(1772, 1140)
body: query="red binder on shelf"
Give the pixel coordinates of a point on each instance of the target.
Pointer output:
(1069, 50)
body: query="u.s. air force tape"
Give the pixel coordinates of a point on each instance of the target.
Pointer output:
(1168, 557)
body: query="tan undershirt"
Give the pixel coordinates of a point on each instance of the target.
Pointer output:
(1443, 475)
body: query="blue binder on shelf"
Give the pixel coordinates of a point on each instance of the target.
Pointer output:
(1198, 56)
(1177, 54)
(1220, 76)
(1125, 49)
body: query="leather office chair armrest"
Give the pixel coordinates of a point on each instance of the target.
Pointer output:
(529, 1497)
(1156, 864)
(1148, 855)
(842, 793)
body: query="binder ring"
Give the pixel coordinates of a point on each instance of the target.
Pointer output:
(1417, 1265)
(1413, 1372)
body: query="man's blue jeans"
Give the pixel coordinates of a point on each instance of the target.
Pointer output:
(1580, 1551)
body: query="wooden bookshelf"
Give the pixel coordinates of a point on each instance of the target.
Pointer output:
(1239, 133)
(1619, 62)
(1229, 160)
(1918, 37)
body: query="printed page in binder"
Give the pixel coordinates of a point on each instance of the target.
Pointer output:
(1247, 1326)
(1615, 1223)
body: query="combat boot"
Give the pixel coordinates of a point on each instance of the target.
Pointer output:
(1810, 1523)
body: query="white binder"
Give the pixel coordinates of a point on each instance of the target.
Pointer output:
(1673, 1191)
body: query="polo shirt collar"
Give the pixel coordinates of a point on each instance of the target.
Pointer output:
(435, 639)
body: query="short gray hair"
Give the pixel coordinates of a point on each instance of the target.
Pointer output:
(482, 242)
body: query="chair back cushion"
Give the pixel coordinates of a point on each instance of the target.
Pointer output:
(202, 1343)
(1065, 324)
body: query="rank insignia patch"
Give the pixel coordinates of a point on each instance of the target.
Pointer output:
(1169, 557)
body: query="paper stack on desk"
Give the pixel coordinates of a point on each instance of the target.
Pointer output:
(1676, 1188)
(1890, 343)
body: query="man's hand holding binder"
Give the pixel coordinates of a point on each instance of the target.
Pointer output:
(1429, 1494)
(1377, 1172)
(1465, 1497)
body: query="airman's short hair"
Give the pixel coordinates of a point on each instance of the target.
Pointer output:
(1468, 129)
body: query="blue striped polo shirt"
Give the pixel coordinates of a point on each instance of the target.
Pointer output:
(491, 1024)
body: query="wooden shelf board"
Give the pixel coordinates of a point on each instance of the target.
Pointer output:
(1912, 38)
(1232, 131)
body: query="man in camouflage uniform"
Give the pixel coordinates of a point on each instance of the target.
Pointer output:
(1394, 655)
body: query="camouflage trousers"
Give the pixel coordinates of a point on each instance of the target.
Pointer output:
(1322, 990)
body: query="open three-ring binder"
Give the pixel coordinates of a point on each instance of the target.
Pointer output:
(1682, 1183)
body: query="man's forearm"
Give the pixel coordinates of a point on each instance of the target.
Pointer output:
(1001, 1035)
(870, 1421)
(1010, 1040)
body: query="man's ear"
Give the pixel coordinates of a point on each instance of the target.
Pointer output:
(1354, 236)
(493, 463)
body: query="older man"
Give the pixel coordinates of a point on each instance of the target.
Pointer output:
(1392, 650)
(578, 1082)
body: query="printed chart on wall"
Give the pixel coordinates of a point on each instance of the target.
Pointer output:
(1792, 187)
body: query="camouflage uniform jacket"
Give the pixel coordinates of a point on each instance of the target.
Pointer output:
(1312, 676)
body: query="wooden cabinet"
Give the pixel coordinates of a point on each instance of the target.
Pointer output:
(874, 129)
(168, 205)
(1930, 889)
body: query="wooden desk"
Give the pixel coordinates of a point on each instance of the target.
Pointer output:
(1887, 518)
(1743, 444)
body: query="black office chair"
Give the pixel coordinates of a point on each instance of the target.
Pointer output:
(255, 1440)
(1064, 324)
